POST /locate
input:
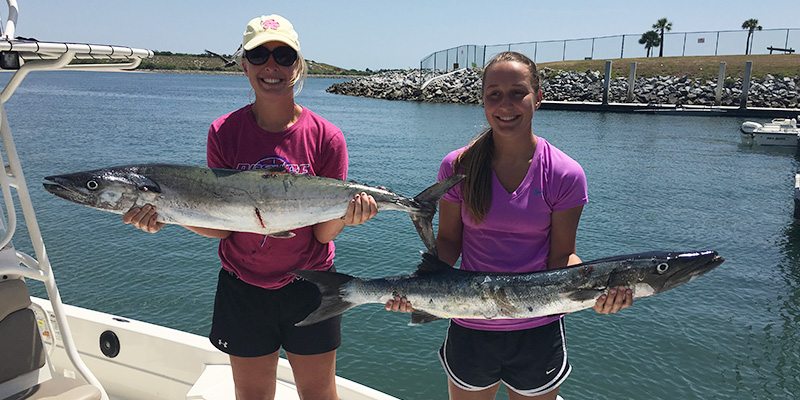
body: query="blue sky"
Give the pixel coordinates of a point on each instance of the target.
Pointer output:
(378, 34)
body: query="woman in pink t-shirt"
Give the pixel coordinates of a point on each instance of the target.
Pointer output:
(258, 300)
(516, 211)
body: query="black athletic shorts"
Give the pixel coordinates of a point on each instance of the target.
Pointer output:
(530, 362)
(250, 321)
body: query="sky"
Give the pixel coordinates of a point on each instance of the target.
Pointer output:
(377, 34)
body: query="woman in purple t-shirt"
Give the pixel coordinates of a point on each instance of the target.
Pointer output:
(258, 301)
(516, 211)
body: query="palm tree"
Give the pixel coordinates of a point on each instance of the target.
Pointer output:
(662, 25)
(650, 39)
(751, 25)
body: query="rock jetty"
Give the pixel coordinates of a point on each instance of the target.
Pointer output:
(464, 87)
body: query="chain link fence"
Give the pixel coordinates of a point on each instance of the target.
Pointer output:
(708, 43)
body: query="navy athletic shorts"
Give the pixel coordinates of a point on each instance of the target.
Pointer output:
(250, 321)
(530, 362)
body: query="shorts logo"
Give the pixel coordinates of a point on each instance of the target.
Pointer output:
(550, 371)
(223, 344)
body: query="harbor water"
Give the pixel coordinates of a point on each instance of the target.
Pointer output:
(655, 183)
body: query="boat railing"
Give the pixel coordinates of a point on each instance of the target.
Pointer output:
(24, 56)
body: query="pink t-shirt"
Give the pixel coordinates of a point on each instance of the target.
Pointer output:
(515, 234)
(311, 146)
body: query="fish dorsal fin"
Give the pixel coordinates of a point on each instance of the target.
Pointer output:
(431, 264)
(421, 317)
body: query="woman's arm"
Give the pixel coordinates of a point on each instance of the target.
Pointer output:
(146, 219)
(448, 239)
(563, 230)
(448, 246)
(361, 209)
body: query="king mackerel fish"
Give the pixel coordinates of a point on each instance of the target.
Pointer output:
(257, 201)
(437, 290)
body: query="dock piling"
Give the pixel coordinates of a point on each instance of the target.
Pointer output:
(720, 84)
(748, 71)
(631, 82)
(606, 82)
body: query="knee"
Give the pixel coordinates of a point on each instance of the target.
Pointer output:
(319, 391)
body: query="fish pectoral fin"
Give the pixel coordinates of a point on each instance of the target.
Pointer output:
(282, 235)
(421, 317)
(584, 294)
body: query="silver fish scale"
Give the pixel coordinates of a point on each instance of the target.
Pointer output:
(263, 202)
(456, 294)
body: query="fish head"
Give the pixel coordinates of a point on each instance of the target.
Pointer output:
(663, 271)
(114, 189)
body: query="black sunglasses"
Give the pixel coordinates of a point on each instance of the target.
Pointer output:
(284, 55)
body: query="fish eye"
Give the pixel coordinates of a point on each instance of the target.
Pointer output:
(92, 185)
(662, 268)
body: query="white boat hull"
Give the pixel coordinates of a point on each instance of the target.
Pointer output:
(155, 362)
(779, 132)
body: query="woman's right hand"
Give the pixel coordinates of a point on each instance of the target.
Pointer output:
(399, 304)
(145, 218)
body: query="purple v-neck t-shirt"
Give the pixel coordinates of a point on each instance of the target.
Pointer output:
(515, 234)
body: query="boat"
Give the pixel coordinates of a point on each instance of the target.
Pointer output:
(778, 132)
(53, 350)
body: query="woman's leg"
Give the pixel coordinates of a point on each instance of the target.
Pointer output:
(456, 393)
(254, 377)
(314, 375)
(551, 395)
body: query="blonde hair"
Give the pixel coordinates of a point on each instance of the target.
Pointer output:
(476, 161)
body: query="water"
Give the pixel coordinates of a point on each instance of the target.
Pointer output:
(655, 183)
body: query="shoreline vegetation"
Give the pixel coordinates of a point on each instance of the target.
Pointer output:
(165, 61)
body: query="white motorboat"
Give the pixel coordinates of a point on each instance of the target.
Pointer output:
(778, 132)
(56, 351)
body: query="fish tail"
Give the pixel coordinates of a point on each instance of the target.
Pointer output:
(427, 201)
(330, 288)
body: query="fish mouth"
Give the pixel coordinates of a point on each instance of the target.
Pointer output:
(703, 261)
(63, 188)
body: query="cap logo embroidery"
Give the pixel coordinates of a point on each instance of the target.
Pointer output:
(270, 24)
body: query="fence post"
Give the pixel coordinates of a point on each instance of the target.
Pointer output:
(720, 84)
(484, 57)
(786, 43)
(683, 53)
(622, 48)
(564, 52)
(535, 47)
(716, 46)
(748, 70)
(631, 82)
(606, 82)
(592, 54)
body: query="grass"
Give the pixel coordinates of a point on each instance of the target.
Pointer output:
(696, 67)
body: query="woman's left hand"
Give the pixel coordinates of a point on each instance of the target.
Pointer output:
(361, 209)
(617, 299)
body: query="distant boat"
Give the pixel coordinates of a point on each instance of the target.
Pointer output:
(778, 132)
